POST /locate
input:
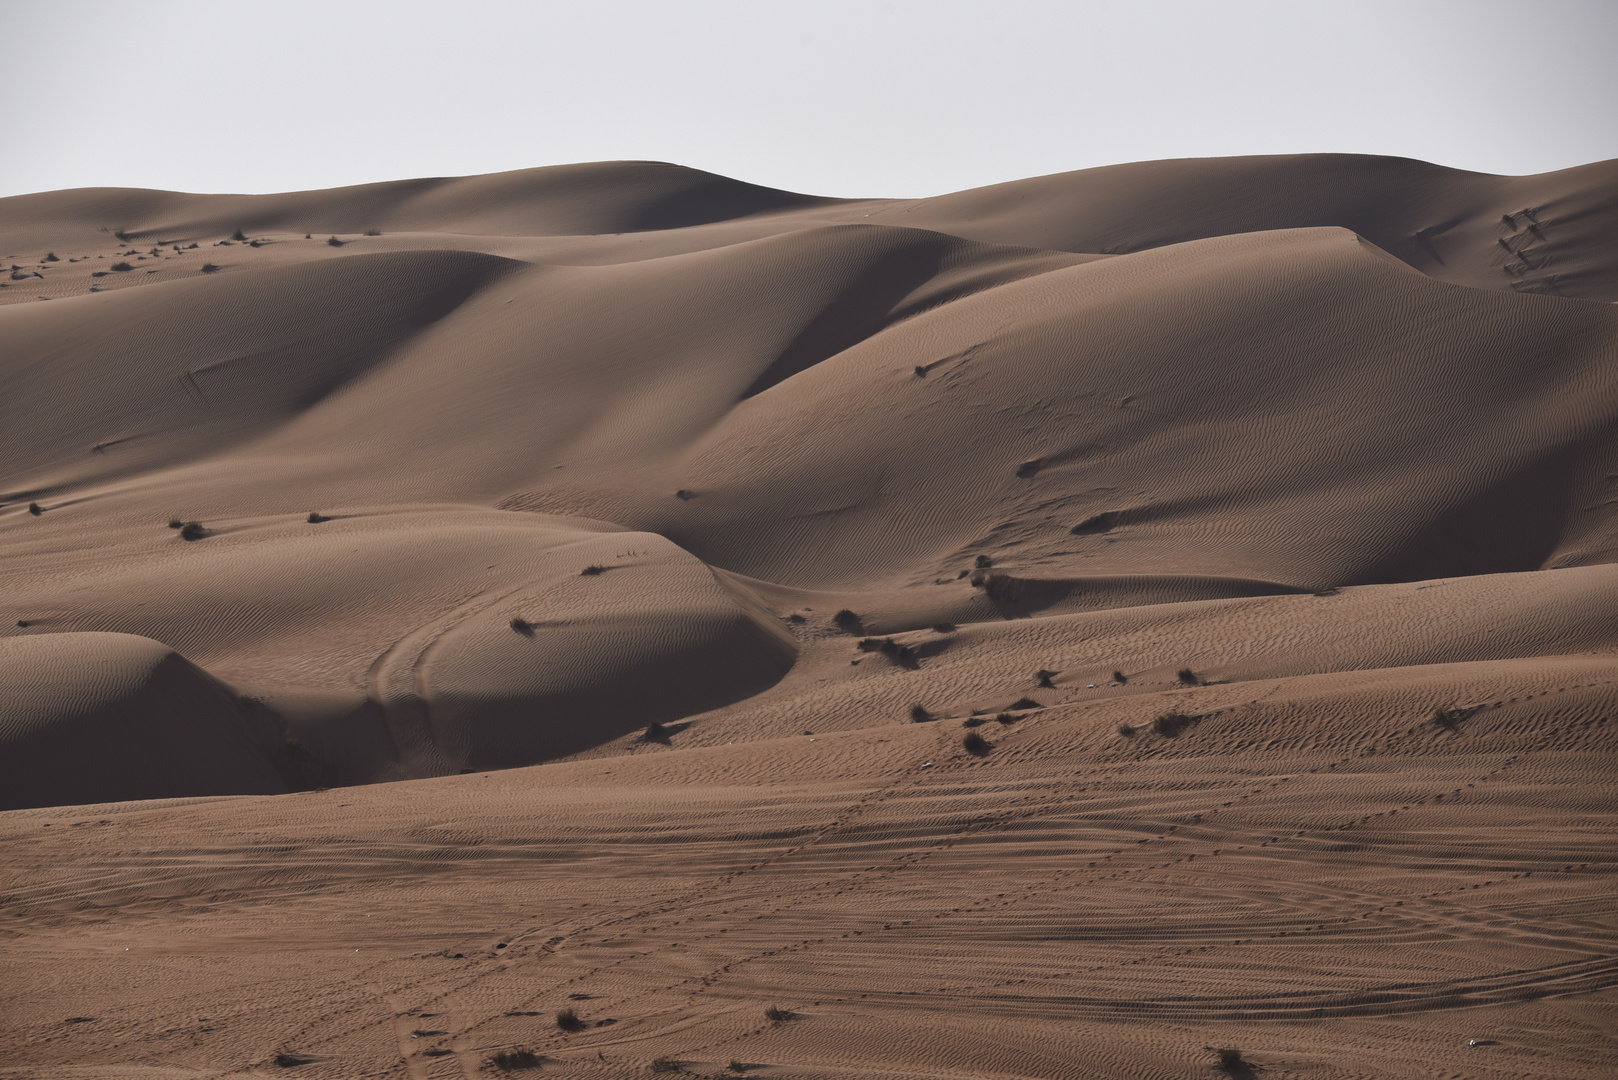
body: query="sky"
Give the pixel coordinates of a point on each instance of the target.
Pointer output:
(875, 98)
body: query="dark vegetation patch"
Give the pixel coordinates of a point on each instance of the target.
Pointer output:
(1043, 678)
(334, 242)
(976, 744)
(514, 1060)
(1120, 678)
(568, 1020)
(848, 622)
(193, 530)
(1127, 730)
(920, 715)
(1029, 468)
(522, 626)
(121, 267)
(1171, 724)
(316, 517)
(655, 732)
(1025, 703)
(1188, 677)
(593, 570)
(1097, 523)
(291, 1061)
(944, 628)
(775, 1014)
(900, 654)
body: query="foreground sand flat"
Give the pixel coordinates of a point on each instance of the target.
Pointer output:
(597, 572)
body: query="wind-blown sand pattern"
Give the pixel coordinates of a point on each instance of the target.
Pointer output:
(596, 572)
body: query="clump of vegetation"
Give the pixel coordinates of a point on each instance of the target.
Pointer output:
(1127, 730)
(592, 570)
(514, 1060)
(568, 1020)
(920, 715)
(373, 232)
(1120, 678)
(297, 749)
(683, 494)
(1171, 724)
(1446, 719)
(796, 620)
(665, 1065)
(210, 268)
(121, 267)
(291, 1061)
(1188, 677)
(334, 242)
(1043, 678)
(975, 744)
(192, 530)
(316, 517)
(974, 721)
(50, 256)
(848, 622)
(655, 732)
(983, 562)
(238, 235)
(120, 234)
(903, 655)
(737, 1066)
(1005, 718)
(1029, 468)
(35, 509)
(1230, 1058)
(943, 628)
(775, 1014)
(996, 585)
(522, 626)
(1025, 703)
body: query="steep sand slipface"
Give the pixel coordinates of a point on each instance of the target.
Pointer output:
(105, 717)
(1256, 514)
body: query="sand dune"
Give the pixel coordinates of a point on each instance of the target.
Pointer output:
(1257, 515)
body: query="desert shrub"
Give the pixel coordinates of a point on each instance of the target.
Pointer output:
(334, 242)
(683, 494)
(1005, 718)
(568, 1020)
(1230, 1058)
(297, 749)
(35, 509)
(921, 371)
(848, 622)
(943, 628)
(1043, 678)
(796, 619)
(522, 626)
(514, 1060)
(775, 1014)
(983, 562)
(997, 585)
(1445, 719)
(665, 1065)
(238, 235)
(737, 1066)
(870, 644)
(974, 743)
(373, 232)
(1188, 677)
(903, 655)
(189, 247)
(974, 721)
(1028, 468)
(50, 256)
(192, 530)
(1120, 678)
(291, 1061)
(316, 517)
(920, 715)
(1171, 724)
(1127, 730)
(120, 234)
(592, 570)
(655, 732)
(1025, 703)
(256, 243)
(122, 267)
(209, 268)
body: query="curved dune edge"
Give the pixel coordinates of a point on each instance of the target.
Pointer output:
(98, 717)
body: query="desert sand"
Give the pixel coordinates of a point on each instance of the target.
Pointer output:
(1059, 629)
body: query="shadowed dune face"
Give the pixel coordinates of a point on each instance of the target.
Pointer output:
(1058, 629)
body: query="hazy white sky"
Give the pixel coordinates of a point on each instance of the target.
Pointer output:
(881, 97)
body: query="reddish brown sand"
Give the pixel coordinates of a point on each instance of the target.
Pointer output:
(598, 447)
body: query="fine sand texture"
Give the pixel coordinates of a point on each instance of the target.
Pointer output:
(1060, 629)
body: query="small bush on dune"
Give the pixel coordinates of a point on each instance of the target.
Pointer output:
(568, 1020)
(1172, 723)
(334, 242)
(1043, 678)
(1120, 678)
(737, 1066)
(35, 509)
(920, 715)
(943, 628)
(176, 523)
(1127, 730)
(209, 268)
(238, 235)
(1230, 1058)
(775, 1014)
(592, 570)
(522, 626)
(291, 1061)
(1188, 677)
(192, 530)
(120, 234)
(316, 517)
(297, 749)
(903, 655)
(50, 256)
(121, 267)
(373, 232)
(973, 721)
(976, 744)
(1445, 719)
(514, 1060)
(996, 585)
(655, 732)
(848, 622)
(665, 1065)
(1025, 703)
